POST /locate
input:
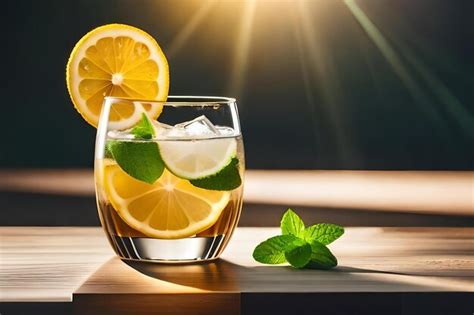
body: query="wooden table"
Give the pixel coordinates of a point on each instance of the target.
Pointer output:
(381, 271)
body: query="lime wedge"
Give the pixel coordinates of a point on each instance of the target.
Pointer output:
(198, 158)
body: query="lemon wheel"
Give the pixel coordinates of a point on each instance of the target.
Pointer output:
(170, 208)
(117, 60)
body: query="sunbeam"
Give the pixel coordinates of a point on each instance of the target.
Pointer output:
(304, 72)
(463, 117)
(395, 62)
(182, 37)
(326, 81)
(241, 50)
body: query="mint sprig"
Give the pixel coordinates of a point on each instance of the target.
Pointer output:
(141, 160)
(301, 247)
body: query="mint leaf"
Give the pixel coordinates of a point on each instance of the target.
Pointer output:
(141, 160)
(292, 224)
(272, 251)
(321, 257)
(300, 255)
(143, 129)
(302, 248)
(226, 179)
(325, 233)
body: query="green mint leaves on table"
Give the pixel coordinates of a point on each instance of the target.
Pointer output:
(301, 247)
(141, 160)
(226, 179)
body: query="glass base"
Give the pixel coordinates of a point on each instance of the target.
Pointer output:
(169, 251)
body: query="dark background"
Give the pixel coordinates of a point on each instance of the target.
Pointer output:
(355, 113)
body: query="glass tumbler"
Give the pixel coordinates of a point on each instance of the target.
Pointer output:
(169, 176)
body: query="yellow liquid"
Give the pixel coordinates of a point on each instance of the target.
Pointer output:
(224, 225)
(118, 224)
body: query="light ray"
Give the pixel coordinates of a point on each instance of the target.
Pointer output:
(305, 73)
(242, 47)
(464, 118)
(436, 87)
(326, 81)
(191, 26)
(394, 61)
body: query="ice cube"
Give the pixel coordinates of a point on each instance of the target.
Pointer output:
(120, 134)
(161, 129)
(200, 126)
(225, 131)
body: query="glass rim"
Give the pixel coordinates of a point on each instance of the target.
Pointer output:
(181, 100)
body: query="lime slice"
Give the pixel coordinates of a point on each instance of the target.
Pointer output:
(197, 158)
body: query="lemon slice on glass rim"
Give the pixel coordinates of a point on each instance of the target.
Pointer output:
(117, 60)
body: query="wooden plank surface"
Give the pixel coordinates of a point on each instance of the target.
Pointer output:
(370, 260)
(46, 264)
(431, 192)
(51, 264)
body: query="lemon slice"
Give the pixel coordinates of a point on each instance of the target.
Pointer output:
(170, 208)
(198, 158)
(117, 60)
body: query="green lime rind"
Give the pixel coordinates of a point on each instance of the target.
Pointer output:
(177, 174)
(228, 178)
(173, 171)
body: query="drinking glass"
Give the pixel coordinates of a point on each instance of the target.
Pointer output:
(169, 176)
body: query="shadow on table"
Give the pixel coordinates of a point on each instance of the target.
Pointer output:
(267, 289)
(222, 275)
(218, 275)
(283, 289)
